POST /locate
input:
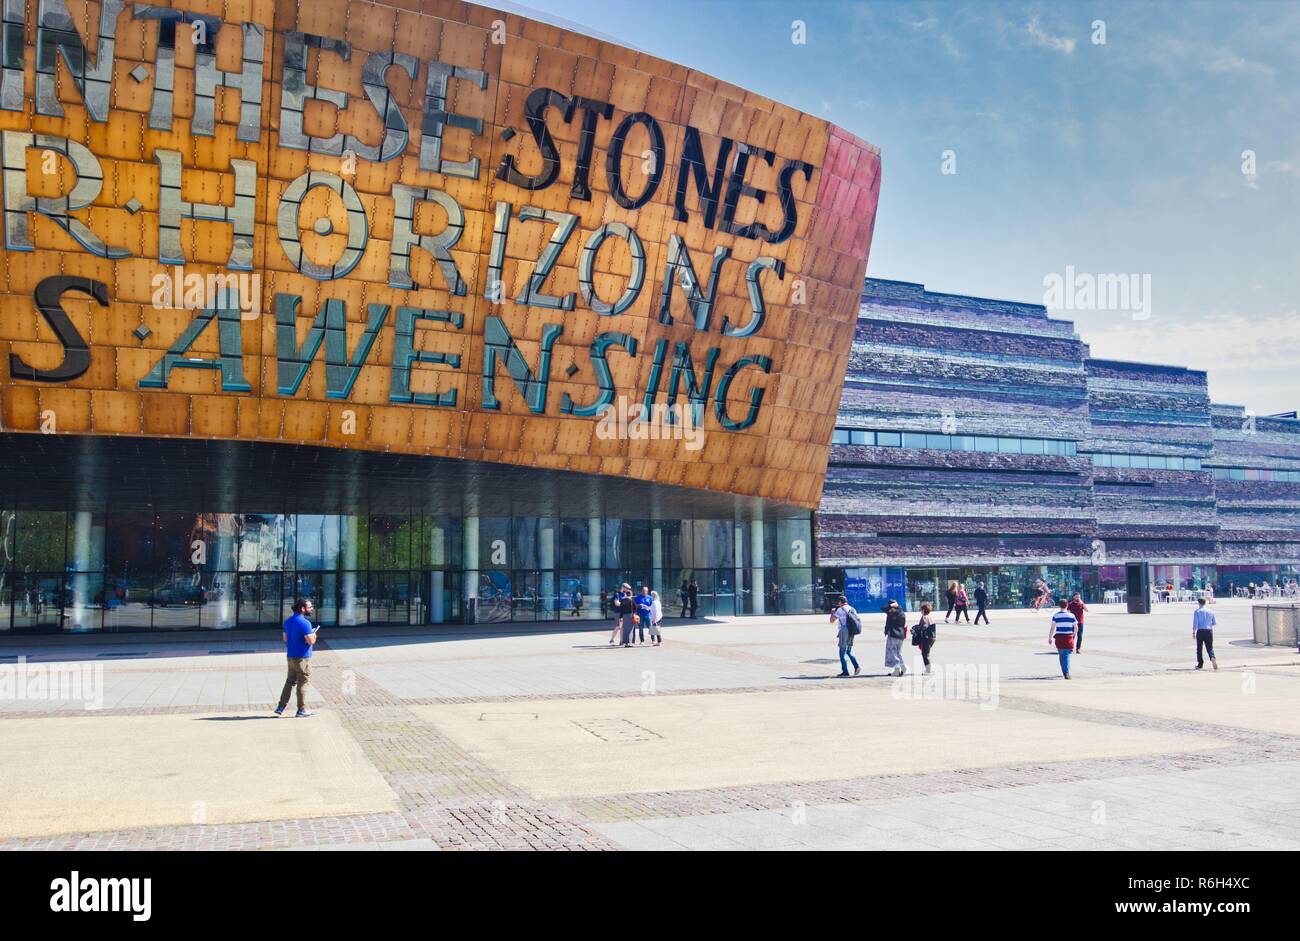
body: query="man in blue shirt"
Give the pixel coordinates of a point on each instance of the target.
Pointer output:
(299, 637)
(1203, 630)
(644, 609)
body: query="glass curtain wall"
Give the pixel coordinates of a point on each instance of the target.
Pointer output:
(134, 571)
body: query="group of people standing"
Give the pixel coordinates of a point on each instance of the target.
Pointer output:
(635, 613)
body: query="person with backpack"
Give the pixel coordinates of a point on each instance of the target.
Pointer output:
(895, 631)
(923, 635)
(850, 626)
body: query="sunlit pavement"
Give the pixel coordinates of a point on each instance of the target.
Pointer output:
(733, 734)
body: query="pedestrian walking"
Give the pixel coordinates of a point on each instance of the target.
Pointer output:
(1064, 625)
(656, 618)
(952, 600)
(981, 603)
(693, 596)
(963, 604)
(1203, 622)
(1077, 608)
(895, 632)
(774, 599)
(684, 596)
(923, 635)
(850, 626)
(577, 602)
(299, 637)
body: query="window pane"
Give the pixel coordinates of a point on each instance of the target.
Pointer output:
(889, 439)
(261, 542)
(963, 443)
(317, 542)
(913, 440)
(841, 436)
(41, 538)
(1009, 445)
(862, 437)
(986, 444)
(938, 442)
(1033, 446)
(1121, 460)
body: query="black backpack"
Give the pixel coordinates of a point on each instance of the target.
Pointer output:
(852, 622)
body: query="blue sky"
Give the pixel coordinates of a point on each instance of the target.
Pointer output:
(1122, 158)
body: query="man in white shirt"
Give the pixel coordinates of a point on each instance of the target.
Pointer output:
(846, 635)
(1203, 622)
(1064, 625)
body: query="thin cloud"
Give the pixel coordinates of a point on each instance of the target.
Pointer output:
(1046, 40)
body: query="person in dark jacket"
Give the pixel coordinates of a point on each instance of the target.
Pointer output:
(981, 603)
(693, 596)
(952, 600)
(923, 635)
(895, 631)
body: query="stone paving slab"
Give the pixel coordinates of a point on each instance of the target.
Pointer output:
(112, 773)
(1181, 810)
(587, 748)
(1242, 698)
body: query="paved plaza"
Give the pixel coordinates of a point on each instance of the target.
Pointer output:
(735, 734)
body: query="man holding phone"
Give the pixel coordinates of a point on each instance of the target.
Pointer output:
(299, 637)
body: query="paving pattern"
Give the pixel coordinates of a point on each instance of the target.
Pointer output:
(1211, 758)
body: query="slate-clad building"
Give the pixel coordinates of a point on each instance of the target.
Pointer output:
(978, 441)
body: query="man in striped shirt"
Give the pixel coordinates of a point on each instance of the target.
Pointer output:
(1203, 630)
(1064, 625)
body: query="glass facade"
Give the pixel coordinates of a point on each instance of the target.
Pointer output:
(869, 588)
(1147, 461)
(938, 442)
(144, 571)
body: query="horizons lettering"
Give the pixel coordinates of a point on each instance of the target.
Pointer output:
(717, 189)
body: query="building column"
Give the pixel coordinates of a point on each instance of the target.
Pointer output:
(546, 561)
(594, 589)
(470, 555)
(348, 577)
(438, 579)
(756, 570)
(657, 560)
(224, 553)
(738, 560)
(88, 558)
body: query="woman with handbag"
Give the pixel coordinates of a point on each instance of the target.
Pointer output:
(963, 600)
(923, 635)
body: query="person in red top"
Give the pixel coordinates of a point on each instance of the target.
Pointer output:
(1077, 607)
